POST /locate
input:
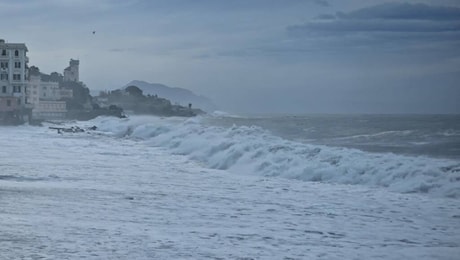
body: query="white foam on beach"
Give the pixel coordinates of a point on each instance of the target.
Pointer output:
(123, 195)
(254, 151)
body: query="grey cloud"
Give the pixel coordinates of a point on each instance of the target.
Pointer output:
(386, 17)
(410, 32)
(375, 26)
(322, 2)
(404, 11)
(118, 50)
(224, 5)
(384, 24)
(326, 17)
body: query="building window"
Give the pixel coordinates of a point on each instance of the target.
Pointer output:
(16, 89)
(4, 65)
(3, 52)
(16, 53)
(17, 64)
(4, 76)
(8, 103)
(4, 89)
(16, 76)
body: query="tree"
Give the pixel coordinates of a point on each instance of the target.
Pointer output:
(80, 94)
(103, 93)
(56, 77)
(134, 91)
(34, 71)
(116, 93)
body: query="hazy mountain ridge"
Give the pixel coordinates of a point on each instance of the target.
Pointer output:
(176, 95)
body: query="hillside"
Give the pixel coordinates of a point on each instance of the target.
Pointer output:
(176, 95)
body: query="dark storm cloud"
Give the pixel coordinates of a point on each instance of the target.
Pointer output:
(404, 11)
(390, 17)
(382, 24)
(375, 25)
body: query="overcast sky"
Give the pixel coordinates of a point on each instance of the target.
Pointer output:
(256, 56)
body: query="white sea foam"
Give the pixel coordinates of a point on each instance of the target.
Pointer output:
(219, 113)
(385, 133)
(449, 133)
(97, 196)
(253, 150)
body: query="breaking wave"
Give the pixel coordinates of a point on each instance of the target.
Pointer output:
(253, 150)
(385, 133)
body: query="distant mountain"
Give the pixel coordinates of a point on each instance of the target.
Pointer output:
(176, 95)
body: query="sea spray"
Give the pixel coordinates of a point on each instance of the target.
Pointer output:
(254, 150)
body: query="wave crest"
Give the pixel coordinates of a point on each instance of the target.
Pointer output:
(253, 150)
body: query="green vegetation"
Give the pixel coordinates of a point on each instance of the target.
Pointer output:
(132, 99)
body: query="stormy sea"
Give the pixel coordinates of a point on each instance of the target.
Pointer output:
(231, 187)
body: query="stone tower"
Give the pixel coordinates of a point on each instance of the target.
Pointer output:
(71, 72)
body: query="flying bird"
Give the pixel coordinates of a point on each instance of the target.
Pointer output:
(94, 32)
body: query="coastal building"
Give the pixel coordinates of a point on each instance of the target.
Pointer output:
(26, 93)
(46, 98)
(13, 79)
(41, 90)
(71, 81)
(71, 73)
(49, 110)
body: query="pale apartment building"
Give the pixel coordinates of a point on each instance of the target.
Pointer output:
(46, 98)
(13, 78)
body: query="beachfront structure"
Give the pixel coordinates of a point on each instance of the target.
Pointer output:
(38, 89)
(46, 98)
(71, 73)
(25, 93)
(49, 110)
(13, 78)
